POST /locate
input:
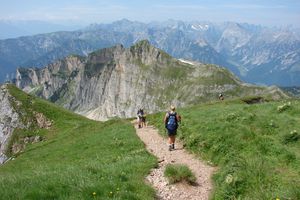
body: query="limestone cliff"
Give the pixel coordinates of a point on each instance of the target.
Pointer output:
(9, 121)
(20, 124)
(115, 82)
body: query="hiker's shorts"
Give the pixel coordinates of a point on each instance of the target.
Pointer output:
(172, 132)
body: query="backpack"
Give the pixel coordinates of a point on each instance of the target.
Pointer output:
(140, 113)
(172, 122)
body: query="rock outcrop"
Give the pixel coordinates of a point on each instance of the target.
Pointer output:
(9, 121)
(15, 121)
(115, 82)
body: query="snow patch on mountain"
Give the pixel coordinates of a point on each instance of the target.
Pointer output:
(186, 61)
(200, 27)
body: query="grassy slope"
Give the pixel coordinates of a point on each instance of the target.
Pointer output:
(249, 143)
(77, 158)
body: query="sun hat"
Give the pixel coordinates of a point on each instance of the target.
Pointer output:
(172, 108)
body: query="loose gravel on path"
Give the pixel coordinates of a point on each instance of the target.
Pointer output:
(157, 145)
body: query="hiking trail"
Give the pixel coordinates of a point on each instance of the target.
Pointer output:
(157, 145)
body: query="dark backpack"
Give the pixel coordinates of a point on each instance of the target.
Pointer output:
(172, 122)
(140, 113)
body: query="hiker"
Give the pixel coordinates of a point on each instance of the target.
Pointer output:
(221, 97)
(171, 120)
(141, 118)
(143, 123)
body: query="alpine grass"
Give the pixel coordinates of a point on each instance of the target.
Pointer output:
(77, 159)
(255, 146)
(179, 173)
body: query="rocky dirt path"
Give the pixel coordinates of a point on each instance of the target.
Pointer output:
(157, 145)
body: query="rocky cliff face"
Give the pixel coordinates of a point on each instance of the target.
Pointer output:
(20, 124)
(9, 121)
(115, 82)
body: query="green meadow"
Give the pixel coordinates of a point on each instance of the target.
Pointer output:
(77, 159)
(255, 147)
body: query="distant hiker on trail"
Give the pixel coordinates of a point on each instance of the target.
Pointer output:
(171, 120)
(221, 97)
(141, 117)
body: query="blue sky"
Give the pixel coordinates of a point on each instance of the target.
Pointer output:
(266, 12)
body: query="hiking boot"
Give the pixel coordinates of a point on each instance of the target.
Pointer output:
(170, 147)
(173, 146)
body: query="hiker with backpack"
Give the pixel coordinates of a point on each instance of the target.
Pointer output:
(171, 120)
(141, 118)
(221, 96)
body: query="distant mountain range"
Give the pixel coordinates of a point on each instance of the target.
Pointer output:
(292, 91)
(116, 81)
(256, 54)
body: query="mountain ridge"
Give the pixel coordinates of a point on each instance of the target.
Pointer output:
(116, 81)
(256, 54)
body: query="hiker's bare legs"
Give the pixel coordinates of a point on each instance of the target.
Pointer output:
(172, 141)
(139, 122)
(143, 121)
